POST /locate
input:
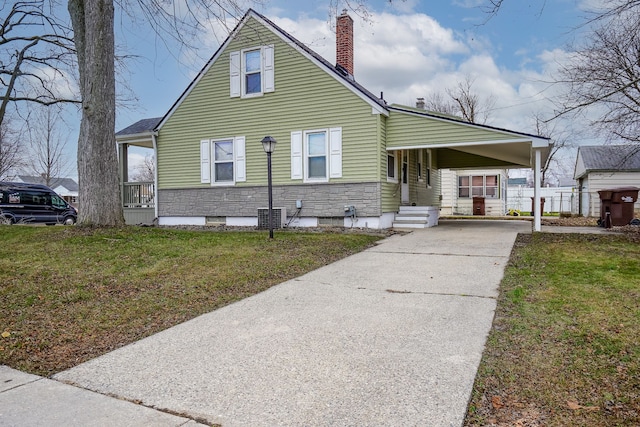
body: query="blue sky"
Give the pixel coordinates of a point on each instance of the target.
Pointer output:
(406, 50)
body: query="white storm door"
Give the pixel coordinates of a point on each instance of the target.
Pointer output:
(404, 190)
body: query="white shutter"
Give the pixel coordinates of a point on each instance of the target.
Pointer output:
(296, 155)
(335, 153)
(268, 68)
(234, 72)
(241, 160)
(205, 161)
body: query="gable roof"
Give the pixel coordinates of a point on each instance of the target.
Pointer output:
(337, 72)
(623, 158)
(67, 183)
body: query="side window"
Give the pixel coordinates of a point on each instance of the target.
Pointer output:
(477, 186)
(316, 155)
(491, 186)
(222, 161)
(428, 171)
(252, 72)
(58, 202)
(463, 186)
(392, 166)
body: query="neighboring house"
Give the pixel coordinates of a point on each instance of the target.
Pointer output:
(604, 167)
(343, 156)
(473, 192)
(66, 188)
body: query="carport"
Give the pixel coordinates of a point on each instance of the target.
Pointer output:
(456, 144)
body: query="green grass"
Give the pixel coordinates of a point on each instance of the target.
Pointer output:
(72, 293)
(565, 347)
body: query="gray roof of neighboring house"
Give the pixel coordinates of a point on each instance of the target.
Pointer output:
(611, 157)
(141, 126)
(517, 181)
(67, 183)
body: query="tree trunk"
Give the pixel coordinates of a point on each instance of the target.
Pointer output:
(99, 187)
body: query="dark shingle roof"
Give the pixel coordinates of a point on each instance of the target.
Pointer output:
(141, 126)
(67, 183)
(611, 157)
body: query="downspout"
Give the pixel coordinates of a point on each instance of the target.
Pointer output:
(537, 221)
(154, 140)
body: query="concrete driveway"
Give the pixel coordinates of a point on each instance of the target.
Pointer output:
(391, 336)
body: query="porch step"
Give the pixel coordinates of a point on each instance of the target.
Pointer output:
(416, 217)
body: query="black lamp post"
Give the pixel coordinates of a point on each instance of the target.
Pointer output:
(269, 145)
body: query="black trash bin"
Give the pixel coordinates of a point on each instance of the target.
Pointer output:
(616, 206)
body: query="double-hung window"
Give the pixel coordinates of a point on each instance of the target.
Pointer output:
(316, 155)
(252, 72)
(316, 163)
(222, 161)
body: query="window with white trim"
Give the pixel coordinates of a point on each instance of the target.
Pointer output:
(420, 165)
(316, 155)
(478, 186)
(252, 72)
(392, 167)
(222, 161)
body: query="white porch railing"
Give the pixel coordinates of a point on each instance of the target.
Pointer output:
(138, 195)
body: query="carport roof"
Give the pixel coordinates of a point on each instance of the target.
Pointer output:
(460, 144)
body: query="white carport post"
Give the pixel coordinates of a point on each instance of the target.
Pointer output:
(537, 220)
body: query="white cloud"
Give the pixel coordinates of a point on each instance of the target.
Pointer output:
(410, 55)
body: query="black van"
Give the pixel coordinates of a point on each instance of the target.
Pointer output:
(33, 203)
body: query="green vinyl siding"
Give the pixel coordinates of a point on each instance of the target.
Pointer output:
(390, 190)
(305, 98)
(407, 130)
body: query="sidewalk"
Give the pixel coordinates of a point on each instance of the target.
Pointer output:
(390, 336)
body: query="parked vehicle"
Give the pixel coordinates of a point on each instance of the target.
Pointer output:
(33, 203)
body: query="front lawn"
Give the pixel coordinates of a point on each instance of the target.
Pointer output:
(564, 349)
(71, 293)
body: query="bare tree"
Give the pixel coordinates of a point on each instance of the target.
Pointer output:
(37, 55)
(603, 77)
(436, 101)
(48, 142)
(146, 170)
(10, 150)
(561, 141)
(463, 102)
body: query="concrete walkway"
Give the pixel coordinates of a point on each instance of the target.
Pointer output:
(390, 336)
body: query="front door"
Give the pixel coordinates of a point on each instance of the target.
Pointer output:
(405, 177)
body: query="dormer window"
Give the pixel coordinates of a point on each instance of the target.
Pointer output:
(252, 72)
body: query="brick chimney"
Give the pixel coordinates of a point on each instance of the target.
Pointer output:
(344, 41)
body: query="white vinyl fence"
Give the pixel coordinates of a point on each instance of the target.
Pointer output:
(557, 199)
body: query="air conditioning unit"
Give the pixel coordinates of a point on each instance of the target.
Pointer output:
(279, 217)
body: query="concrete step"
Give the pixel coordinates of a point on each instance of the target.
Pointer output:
(411, 217)
(410, 224)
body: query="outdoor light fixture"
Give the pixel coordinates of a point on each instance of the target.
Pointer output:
(269, 145)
